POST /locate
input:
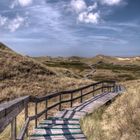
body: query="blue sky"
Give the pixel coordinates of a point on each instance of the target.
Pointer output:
(71, 27)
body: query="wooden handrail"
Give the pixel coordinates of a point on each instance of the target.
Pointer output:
(10, 110)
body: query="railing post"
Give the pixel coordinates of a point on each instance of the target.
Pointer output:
(81, 96)
(26, 116)
(109, 88)
(93, 91)
(60, 102)
(13, 129)
(36, 114)
(71, 99)
(46, 114)
(102, 87)
(114, 85)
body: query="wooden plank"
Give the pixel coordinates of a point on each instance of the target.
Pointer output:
(23, 130)
(13, 129)
(60, 122)
(7, 107)
(57, 126)
(70, 114)
(56, 131)
(6, 120)
(8, 111)
(72, 137)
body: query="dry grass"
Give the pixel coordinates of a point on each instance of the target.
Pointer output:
(91, 125)
(120, 121)
(22, 75)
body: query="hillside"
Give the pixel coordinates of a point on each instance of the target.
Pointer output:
(97, 68)
(21, 75)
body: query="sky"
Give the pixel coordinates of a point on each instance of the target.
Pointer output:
(71, 27)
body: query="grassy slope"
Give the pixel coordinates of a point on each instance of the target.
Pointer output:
(20, 75)
(118, 121)
(109, 67)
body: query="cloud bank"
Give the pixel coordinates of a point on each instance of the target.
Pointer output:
(111, 2)
(53, 27)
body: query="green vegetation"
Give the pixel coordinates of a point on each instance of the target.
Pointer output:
(133, 68)
(67, 64)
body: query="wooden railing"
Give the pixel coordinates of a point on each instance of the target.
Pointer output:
(10, 110)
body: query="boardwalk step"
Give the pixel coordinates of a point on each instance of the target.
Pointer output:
(48, 132)
(78, 108)
(61, 137)
(59, 122)
(55, 134)
(70, 114)
(59, 127)
(65, 124)
(58, 118)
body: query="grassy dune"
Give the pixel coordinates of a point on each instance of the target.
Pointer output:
(118, 121)
(21, 75)
(113, 68)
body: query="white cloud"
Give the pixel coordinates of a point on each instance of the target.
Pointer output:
(111, 2)
(12, 24)
(22, 3)
(25, 2)
(85, 13)
(92, 7)
(16, 23)
(89, 17)
(78, 5)
(3, 20)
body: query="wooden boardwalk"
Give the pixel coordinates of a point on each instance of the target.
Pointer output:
(65, 125)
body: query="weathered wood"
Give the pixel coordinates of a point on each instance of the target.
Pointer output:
(13, 129)
(60, 101)
(70, 114)
(40, 99)
(7, 107)
(9, 111)
(71, 99)
(26, 116)
(60, 137)
(81, 99)
(46, 114)
(36, 114)
(42, 112)
(60, 122)
(65, 124)
(23, 130)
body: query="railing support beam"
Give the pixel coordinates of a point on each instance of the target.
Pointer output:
(71, 99)
(36, 114)
(26, 116)
(60, 99)
(81, 96)
(46, 105)
(13, 129)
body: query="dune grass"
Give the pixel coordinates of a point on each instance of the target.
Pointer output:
(120, 120)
